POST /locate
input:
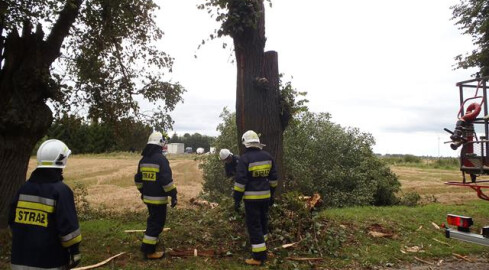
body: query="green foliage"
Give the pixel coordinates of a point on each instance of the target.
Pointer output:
(109, 58)
(290, 104)
(195, 141)
(472, 17)
(411, 159)
(216, 184)
(291, 221)
(337, 162)
(235, 16)
(80, 193)
(410, 199)
(422, 162)
(446, 163)
(82, 137)
(320, 156)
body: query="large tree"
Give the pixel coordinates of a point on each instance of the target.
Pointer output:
(472, 16)
(98, 56)
(258, 99)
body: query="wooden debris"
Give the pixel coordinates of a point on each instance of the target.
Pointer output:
(204, 203)
(413, 249)
(135, 231)
(423, 261)
(302, 259)
(193, 253)
(420, 227)
(380, 234)
(98, 264)
(462, 257)
(290, 245)
(377, 231)
(441, 242)
(313, 201)
(436, 226)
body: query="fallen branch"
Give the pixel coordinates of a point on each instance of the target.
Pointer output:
(193, 253)
(441, 242)
(205, 203)
(135, 231)
(313, 201)
(435, 225)
(290, 245)
(423, 261)
(98, 264)
(462, 257)
(303, 259)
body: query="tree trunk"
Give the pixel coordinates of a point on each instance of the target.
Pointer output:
(24, 117)
(25, 85)
(257, 92)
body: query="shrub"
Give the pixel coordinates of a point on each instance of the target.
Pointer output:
(411, 159)
(410, 199)
(216, 184)
(319, 156)
(337, 162)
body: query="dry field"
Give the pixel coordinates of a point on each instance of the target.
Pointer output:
(110, 180)
(110, 184)
(430, 184)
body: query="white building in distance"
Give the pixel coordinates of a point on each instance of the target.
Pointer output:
(176, 148)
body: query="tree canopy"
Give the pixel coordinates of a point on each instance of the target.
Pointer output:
(472, 17)
(108, 61)
(98, 59)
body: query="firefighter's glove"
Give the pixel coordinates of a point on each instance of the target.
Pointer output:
(75, 259)
(237, 206)
(173, 201)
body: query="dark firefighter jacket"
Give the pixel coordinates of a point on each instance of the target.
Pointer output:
(44, 223)
(154, 176)
(256, 176)
(230, 167)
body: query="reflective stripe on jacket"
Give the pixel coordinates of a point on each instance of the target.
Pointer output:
(154, 179)
(44, 223)
(256, 175)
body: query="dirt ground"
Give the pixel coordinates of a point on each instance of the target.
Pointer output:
(110, 181)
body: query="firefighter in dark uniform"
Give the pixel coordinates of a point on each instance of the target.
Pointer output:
(154, 180)
(230, 162)
(43, 220)
(256, 180)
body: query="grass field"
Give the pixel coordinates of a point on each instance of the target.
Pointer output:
(343, 237)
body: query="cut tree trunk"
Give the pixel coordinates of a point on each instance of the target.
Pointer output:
(257, 91)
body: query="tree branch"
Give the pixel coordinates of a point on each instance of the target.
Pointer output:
(61, 29)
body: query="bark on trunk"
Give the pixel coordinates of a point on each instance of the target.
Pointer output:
(25, 85)
(24, 117)
(257, 91)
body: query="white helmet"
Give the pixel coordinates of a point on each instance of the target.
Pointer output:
(52, 154)
(156, 138)
(224, 153)
(251, 139)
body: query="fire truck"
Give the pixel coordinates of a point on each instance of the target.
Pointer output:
(471, 136)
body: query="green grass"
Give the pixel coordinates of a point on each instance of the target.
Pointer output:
(341, 233)
(411, 226)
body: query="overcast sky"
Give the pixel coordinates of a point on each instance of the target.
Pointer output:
(383, 66)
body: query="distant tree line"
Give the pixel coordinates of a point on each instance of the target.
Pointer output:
(82, 136)
(195, 140)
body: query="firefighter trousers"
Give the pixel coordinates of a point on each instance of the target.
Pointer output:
(257, 223)
(154, 226)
